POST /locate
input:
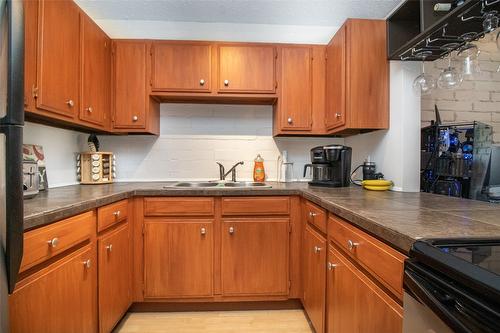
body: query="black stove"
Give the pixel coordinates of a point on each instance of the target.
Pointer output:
(459, 280)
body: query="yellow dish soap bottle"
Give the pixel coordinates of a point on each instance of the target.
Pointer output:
(259, 175)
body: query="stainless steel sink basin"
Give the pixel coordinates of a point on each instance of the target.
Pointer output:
(220, 185)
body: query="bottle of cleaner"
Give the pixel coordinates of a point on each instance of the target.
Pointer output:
(259, 175)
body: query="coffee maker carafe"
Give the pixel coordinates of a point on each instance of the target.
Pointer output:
(331, 166)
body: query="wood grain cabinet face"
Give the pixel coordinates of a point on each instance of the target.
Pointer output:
(335, 115)
(58, 68)
(314, 271)
(129, 84)
(355, 303)
(30, 51)
(96, 74)
(181, 67)
(114, 276)
(295, 100)
(178, 258)
(60, 298)
(255, 256)
(246, 69)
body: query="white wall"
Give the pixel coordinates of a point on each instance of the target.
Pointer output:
(396, 151)
(195, 136)
(60, 148)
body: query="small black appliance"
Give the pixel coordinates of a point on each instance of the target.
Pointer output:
(331, 166)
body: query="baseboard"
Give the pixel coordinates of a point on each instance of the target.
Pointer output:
(215, 306)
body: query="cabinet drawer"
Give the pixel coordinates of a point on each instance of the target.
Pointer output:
(111, 214)
(178, 206)
(46, 242)
(385, 263)
(315, 215)
(256, 206)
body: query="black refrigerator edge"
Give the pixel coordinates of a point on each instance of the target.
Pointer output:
(11, 140)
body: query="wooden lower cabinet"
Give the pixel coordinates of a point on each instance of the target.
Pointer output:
(114, 276)
(355, 302)
(60, 298)
(178, 258)
(254, 256)
(314, 271)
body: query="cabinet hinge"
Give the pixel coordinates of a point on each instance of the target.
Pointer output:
(290, 228)
(276, 85)
(289, 285)
(34, 91)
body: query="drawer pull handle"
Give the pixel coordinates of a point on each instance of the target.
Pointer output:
(331, 266)
(203, 231)
(317, 249)
(351, 245)
(231, 230)
(202, 82)
(312, 214)
(70, 103)
(226, 83)
(53, 242)
(109, 247)
(87, 263)
(117, 214)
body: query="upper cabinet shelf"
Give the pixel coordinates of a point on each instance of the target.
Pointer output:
(417, 27)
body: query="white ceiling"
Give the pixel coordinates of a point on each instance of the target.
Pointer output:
(150, 18)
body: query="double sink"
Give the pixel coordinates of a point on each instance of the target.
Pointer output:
(220, 185)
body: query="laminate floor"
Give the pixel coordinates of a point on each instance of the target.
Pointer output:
(262, 321)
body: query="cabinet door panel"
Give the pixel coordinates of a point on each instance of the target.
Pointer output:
(336, 80)
(129, 82)
(296, 88)
(255, 256)
(178, 258)
(314, 277)
(181, 67)
(96, 87)
(355, 303)
(114, 277)
(247, 69)
(58, 57)
(30, 50)
(61, 298)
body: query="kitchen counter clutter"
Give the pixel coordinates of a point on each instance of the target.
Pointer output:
(398, 219)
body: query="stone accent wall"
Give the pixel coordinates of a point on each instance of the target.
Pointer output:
(478, 98)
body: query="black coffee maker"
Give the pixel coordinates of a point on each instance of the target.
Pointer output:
(331, 166)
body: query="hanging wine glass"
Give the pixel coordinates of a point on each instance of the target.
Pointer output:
(469, 57)
(490, 21)
(424, 83)
(450, 78)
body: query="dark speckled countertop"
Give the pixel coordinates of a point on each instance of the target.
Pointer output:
(395, 217)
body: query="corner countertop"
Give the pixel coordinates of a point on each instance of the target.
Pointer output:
(396, 218)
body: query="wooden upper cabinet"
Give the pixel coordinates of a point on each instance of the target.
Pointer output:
(96, 74)
(30, 50)
(357, 80)
(58, 67)
(355, 303)
(181, 67)
(246, 69)
(255, 256)
(59, 298)
(295, 98)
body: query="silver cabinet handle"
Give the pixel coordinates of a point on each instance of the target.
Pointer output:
(231, 230)
(317, 249)
(289, 120)
(331, 266)
(202, 82)
(226, 83)
(338, 115)
(70, 103)
(312, 214)
(53, 242)
(351, 245)
(135, 118)
(117, 214)
(87, 263)
(109, 247)
(203, 231)
(89, 109)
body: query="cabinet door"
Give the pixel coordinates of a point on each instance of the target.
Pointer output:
(246, 69)
(58, 69)
(96, 87)
(30, 49)
(129, 84)
(114, 277)
(61, 298)
(181, 67)
(355, 303)
(314, 277)
(255, 256)
(295, 104)
(178, 258)
(336, 80)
